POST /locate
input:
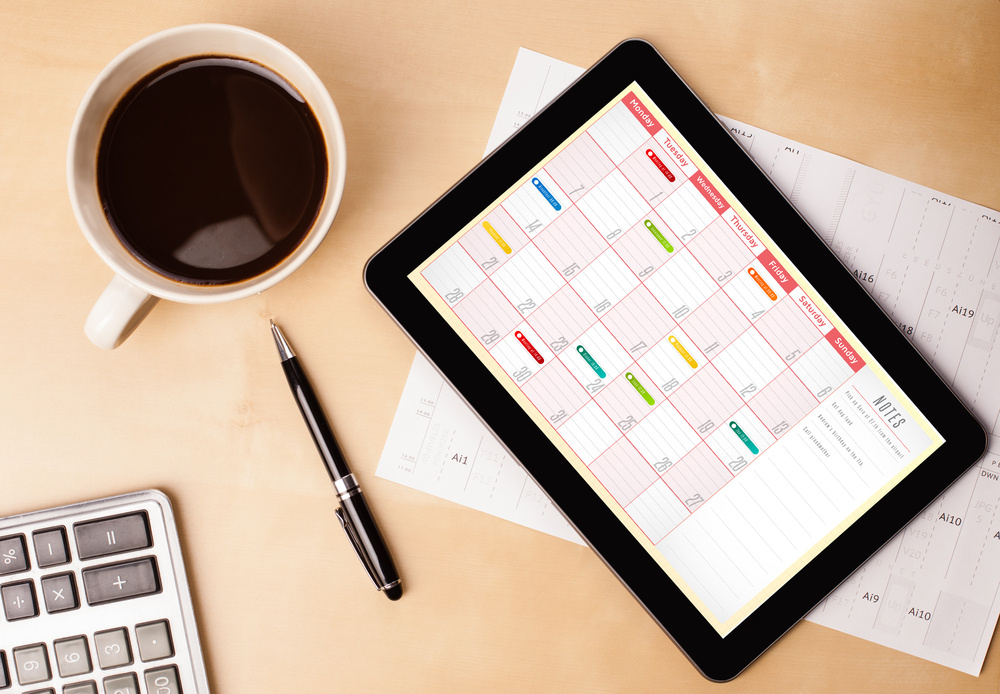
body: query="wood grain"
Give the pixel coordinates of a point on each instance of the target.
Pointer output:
(195, 402)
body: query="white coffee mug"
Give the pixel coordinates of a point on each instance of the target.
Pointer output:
(136, 288)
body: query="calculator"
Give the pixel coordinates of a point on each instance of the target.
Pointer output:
(96, 601)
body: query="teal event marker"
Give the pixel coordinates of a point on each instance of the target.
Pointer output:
(639, 388)
(658, 235)
(591, 361)
(744, 438)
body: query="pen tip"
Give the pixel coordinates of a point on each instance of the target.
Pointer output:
(394, 593)
(284, 349)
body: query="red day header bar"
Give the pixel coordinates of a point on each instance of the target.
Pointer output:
(641, 113)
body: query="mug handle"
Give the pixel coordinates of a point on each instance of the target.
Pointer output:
(118, 311)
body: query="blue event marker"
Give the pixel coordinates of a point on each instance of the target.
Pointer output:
(545, 192)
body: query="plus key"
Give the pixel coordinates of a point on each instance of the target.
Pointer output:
(130, 579)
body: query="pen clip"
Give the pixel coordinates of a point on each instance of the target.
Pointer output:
(345, 523)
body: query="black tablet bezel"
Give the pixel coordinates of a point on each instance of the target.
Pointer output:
(386, 273)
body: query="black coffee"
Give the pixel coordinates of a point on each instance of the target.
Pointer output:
(211, 170)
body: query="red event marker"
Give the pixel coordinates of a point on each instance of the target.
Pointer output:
(660, 165)
(530, 347)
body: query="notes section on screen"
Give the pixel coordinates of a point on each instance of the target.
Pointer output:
(817, 472)
(665, 342)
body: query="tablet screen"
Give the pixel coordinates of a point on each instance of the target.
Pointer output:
(689, 372)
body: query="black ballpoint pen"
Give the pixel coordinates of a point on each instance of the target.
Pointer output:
(353, 514)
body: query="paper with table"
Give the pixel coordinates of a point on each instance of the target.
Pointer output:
(927, 258)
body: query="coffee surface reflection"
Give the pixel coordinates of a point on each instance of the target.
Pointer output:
(211, 170)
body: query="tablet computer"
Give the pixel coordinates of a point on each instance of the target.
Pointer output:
(676, 358)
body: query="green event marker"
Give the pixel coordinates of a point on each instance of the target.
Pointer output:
(744, 438)
(591, 361)
(639, 388)
(658, 235)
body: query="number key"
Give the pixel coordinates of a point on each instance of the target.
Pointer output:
(163, 680)
(72, 656)
(32, 664)
(80, 688)
(4, 677)
(121, 684)
(112, 648)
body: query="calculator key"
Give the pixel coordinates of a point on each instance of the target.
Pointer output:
(50, 547)
(59, 593)
(154, 641)
(130, 579)
(80, 688)
(42, 691)
(163, 680)
(19, 600)
(112, 648)
(32, 664)
(4, 674)
(13, 558)
(121, 684)
(112, 535)
(72, 656)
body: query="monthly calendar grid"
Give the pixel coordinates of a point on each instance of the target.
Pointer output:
(671, 350)
(704, 439)
(748, 328)
(614, 168)
(686, 202)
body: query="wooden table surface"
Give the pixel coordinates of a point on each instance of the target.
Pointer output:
(195, 403)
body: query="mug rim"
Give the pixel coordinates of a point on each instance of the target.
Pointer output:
(160, 285)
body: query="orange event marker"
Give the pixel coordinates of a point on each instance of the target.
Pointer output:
(762, 284)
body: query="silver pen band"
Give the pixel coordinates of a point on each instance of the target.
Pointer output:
(346, 486)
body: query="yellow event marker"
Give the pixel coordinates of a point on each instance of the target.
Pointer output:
(683, 352)
(496, 237)
(762, 284)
